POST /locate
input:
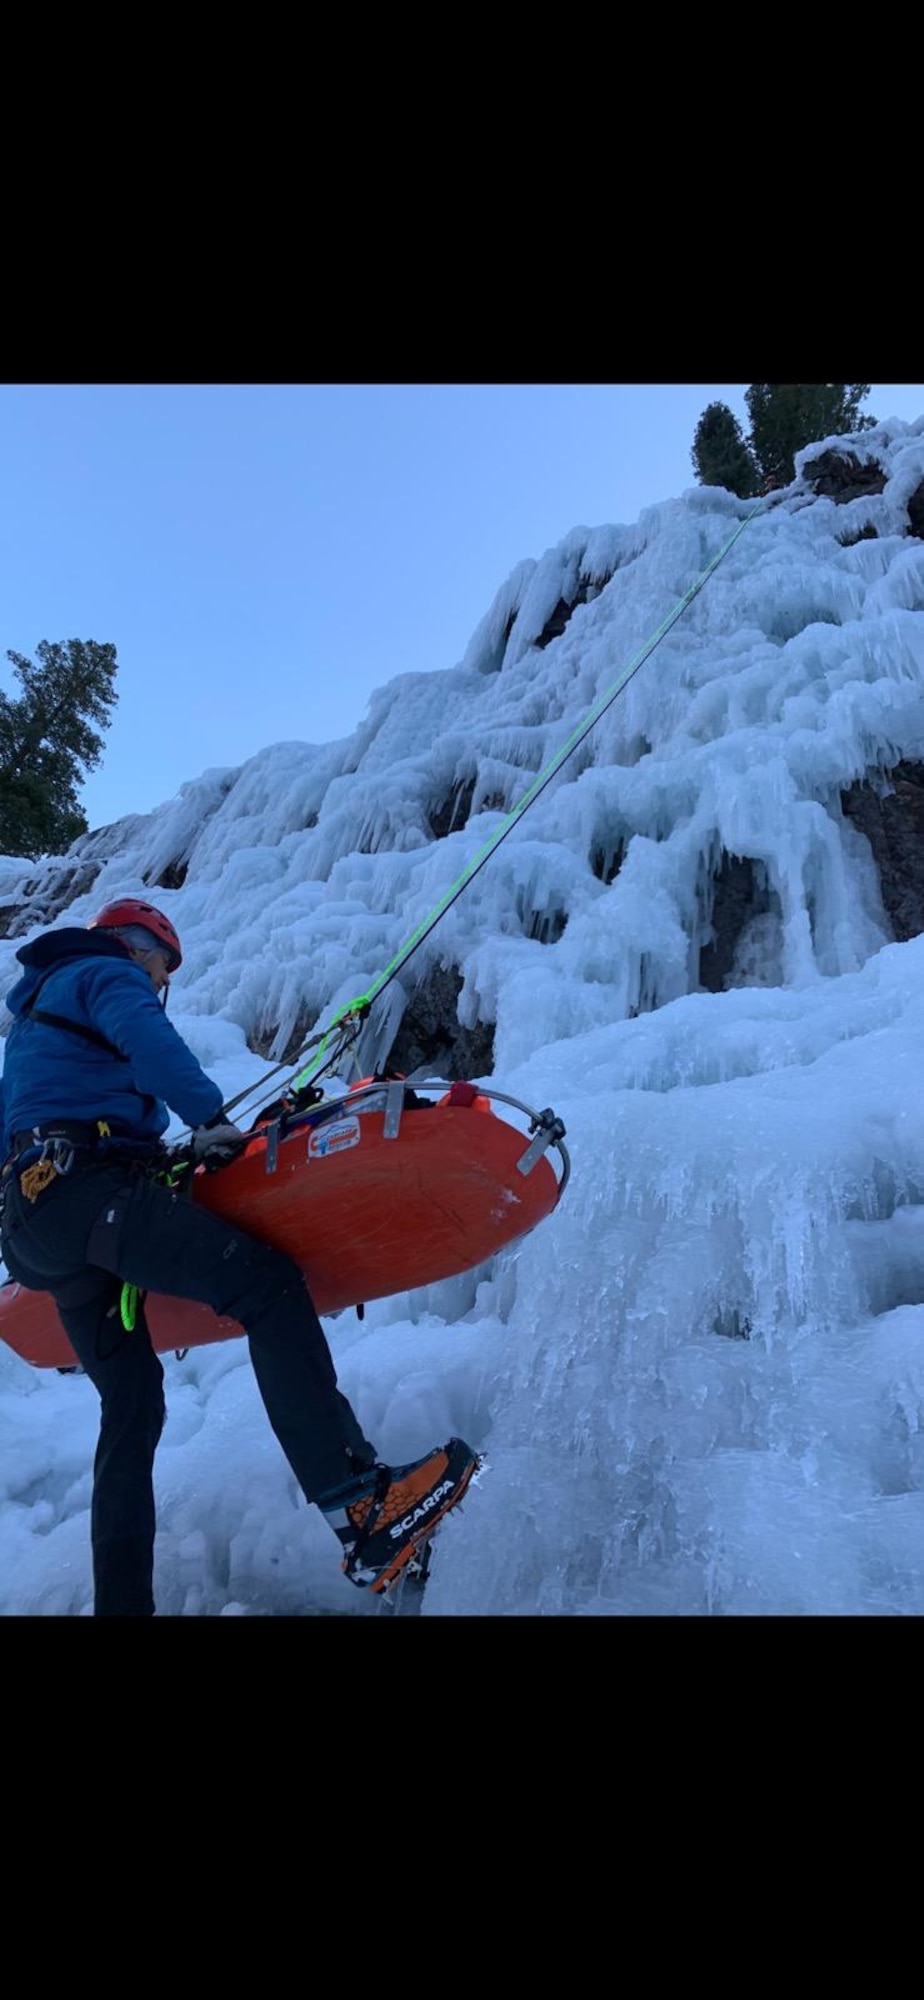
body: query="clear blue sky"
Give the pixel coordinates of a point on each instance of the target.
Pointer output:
(263, 556)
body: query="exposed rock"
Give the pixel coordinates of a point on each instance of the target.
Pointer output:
(58, 879)
(262, 1040)
(431, 1037)
(841, 476)
(916, 512)
(891, 815)
(454, 810)
(732, 1323)
(49, 894)
(555, 625)
(606, 860)
(547, 926)
(867, 534)
(171, 877)
(10, 913)
(740, 895)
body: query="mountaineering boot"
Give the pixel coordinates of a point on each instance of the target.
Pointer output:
(382, 1514)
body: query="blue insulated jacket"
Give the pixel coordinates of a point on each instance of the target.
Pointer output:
(49, 1072)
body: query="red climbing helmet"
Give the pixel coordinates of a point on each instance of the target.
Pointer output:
(130, 910)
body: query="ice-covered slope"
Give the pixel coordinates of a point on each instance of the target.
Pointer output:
(699, 1384)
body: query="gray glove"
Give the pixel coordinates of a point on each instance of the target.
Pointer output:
(217, 1143)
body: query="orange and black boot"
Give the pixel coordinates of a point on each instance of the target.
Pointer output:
(383, 1514)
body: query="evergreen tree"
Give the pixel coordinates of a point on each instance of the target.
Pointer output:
(48, 743)
(786, 416)
(721, 455)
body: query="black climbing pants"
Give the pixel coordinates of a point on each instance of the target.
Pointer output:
(101, 1225)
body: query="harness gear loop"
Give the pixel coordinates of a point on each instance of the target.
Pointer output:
(33, 1180)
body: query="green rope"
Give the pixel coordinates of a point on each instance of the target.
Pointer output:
(363, 1002)
(128, 1307)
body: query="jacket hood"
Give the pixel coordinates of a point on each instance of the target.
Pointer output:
(56, 948)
